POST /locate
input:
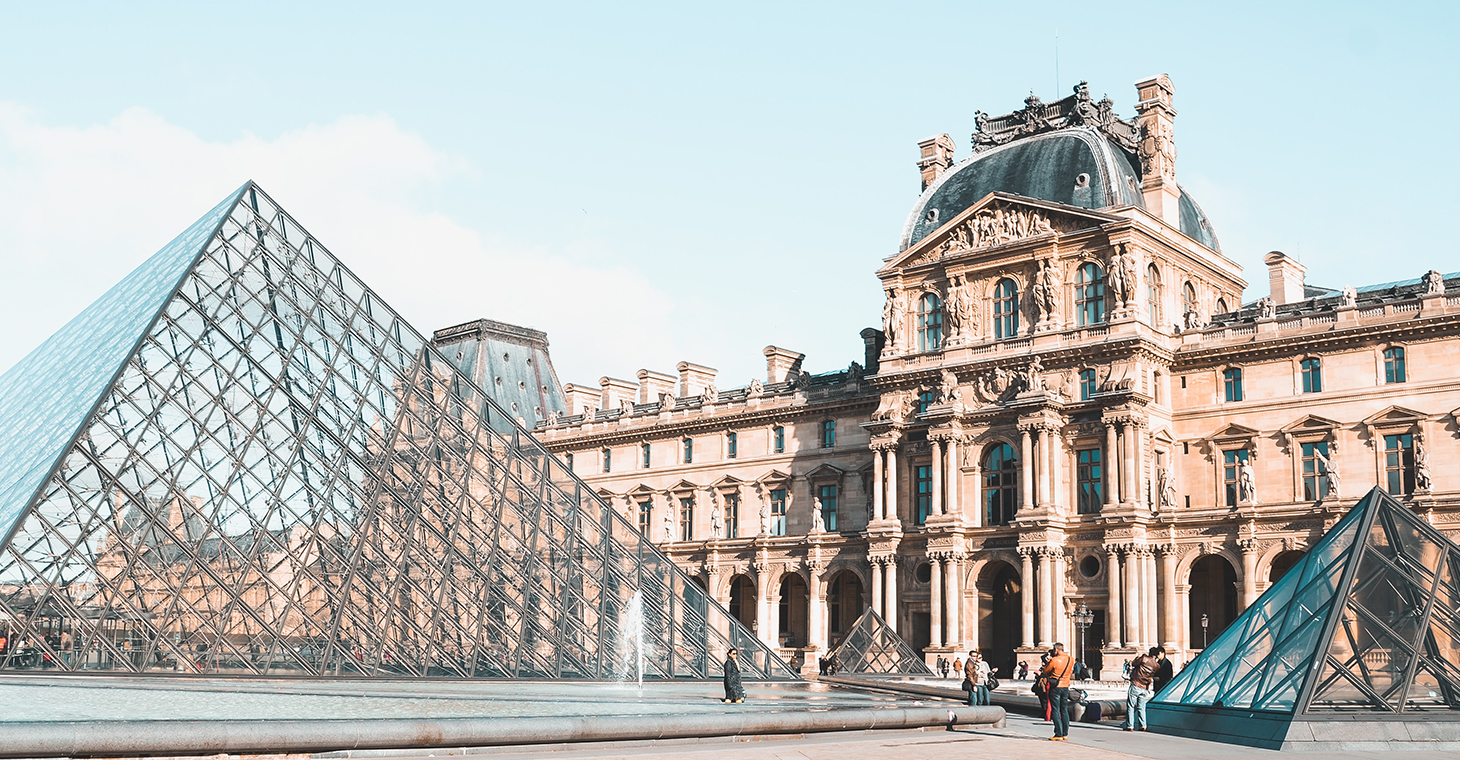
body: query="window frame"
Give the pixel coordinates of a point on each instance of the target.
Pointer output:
(689, 450)
(930, 323)
(646, 516)
(828, 513)
(777, 497)
(1312, 475)
(1006, 309)
(1310, 371)
(732, 444)
(1231, 474)
(1396, 365)
(686, 517)
(828, 434)
(1232, 381)
(778, 439)
(1153, 294)
(1089, 480)
(1000, 484)
(922, 493)
(1090, 295)
(645, 455)
(1087, 384)
(608, 460)
(1398, 463)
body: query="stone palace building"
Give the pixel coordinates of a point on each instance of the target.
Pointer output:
(1067, 403)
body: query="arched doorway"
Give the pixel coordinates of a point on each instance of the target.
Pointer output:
(742, 601)
(1282, 563)
(1214, 595)
(1000, 616)
(843, 605)
(793, 611)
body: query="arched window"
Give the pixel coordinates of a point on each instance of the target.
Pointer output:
(1089, 295)
(1006, 309)
(930, 322)
(1222, 306)
(1394, 369)
(1001, 484)
(644, 455)
(1153, 295)
(1188, 299)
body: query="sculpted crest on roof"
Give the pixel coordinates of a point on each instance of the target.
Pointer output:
(1036, 117)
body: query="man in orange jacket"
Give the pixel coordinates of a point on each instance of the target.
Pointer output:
(1058, 671)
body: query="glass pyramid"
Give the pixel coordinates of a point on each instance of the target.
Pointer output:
(871, 646)
(1368, 621)
(240, 461)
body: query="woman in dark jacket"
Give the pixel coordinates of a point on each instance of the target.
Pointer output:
(734, 691)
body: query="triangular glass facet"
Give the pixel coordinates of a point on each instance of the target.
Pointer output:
(272, 473)
(1367, 621)
(871, 646)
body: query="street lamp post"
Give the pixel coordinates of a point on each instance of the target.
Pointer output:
(1083, 618)
(1203, 630)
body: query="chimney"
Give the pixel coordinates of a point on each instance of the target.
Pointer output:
(581, 398)
(615, 392)
(872, 340)
(652, 383)
(1285, 278)
(694, 378)
(1157, 149)
(937, 156)
(781, 365)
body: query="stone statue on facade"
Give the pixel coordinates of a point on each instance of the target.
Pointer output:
(1047, 291)
(1190, 320)
(631, 509)
(711, 394)
(668, 525)
(666, 401)
(892, 319)
(893, 407)
(1266, 308)
(1329, 469)
(765, 510)
(1246, 483)
(717, 522)
(818, 524)
(1434, 283)
(1348, 297)
(1123, 274)
(948, 391)
(1422, 480)
(854, 372)
(1034, 375)
(1165, 489)
(755, 389)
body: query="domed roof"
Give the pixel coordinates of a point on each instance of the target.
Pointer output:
(1077, 166)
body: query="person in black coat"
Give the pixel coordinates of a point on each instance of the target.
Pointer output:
(734, 690)
(1163, 673)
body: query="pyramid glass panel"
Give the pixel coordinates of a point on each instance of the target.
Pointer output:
(871, 646)
(262, 469)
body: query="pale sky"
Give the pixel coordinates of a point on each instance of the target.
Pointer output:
(651, 183)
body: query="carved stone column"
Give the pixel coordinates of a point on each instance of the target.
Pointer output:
(1113, 616)
(1132, 600)
(1166, 575)
(816, 612)
(763, 610)
(1129, 438)
(890, 507)
(1026, 591)
(1137, 457)
(937, 473)
(889, 600)
(876, 563)
(954, 469)
(977, 501)
(878, 486)
(1148, 597)
(953, 577)
(1249, 548)
(1046, 598)
(935, 602)
(1026, 470)
(1111, 456)
(1057, 600)
(1046, 465)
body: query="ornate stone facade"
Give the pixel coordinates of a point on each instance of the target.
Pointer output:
(1065, 405)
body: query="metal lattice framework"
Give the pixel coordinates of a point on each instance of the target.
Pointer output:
(1368, 621)
(240, 460)
(871, 646)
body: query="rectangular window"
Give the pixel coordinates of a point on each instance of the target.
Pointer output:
(644, 455)
(607, 459)
(568, 460)
(1088, 480)
(686, 518)
(778, 512)
(778, 436)
(1394, 365)
(732, 515)
(1087, 384)
(689, 450)
(827, 494)
(646, 517)
(828, 434)
(1399, 463)
(925, 400)
(1312, 370)
(924, 504)
(1232, 460)
(732, 443)
(1315, 473)
(1232, 383)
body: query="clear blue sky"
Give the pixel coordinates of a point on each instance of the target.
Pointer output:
(661, 182)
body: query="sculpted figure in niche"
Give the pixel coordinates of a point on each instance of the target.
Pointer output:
(948, 391)
(668, 525)
(765, 509)
(756, 388)
(1329, 468)
(711, 394)
(1046, 290)
(1349, 297)
(818, 525)
(1034, 376)
(1266, 308)
(1421, 464)
(666, 402)
(1434, 283)
(1246, 483)
(1165, 489)
(717, 522)
(1123, 273)
(892, 319)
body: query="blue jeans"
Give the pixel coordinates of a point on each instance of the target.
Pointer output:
(1059, 709)
(1135, 707)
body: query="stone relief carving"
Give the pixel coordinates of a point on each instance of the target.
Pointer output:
(756, 389)
(1122, 275)
(666, 401)
(1047, 291)
(995, 225)
(1034, 375)
(668, 525)
(994, 386)
(895, 407)
(1266, 308)
(948, 390)
(711, 394)
(1422, 480)
(1434, 283)
(854, 371)
(962, 318)
(1158, 151)
(1076, 110)
(717, 520)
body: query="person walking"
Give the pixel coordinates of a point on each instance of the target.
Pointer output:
(958, 666)
(976, 673)
(1163, 673)
(1023, 670)
(734, 690)
(1141, 670)
(1056, 674)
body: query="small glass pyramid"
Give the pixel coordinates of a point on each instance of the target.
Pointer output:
(871, 646)
(1367, 622)
(241, 461)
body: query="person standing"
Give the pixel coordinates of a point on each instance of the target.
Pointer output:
(1164, 672)
(734, 690)
(958, 667)
(976, 672)
(1141, 670)
(1023, 670)
(1057, 673)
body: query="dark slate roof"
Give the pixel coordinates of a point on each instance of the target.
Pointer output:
(1046, 167)
(1320, 299)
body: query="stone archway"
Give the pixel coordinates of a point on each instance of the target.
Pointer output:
(792, 611)
(1282, 563)
(1214, 594)
(742, 601)
(844, 604)
(1000, 617)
